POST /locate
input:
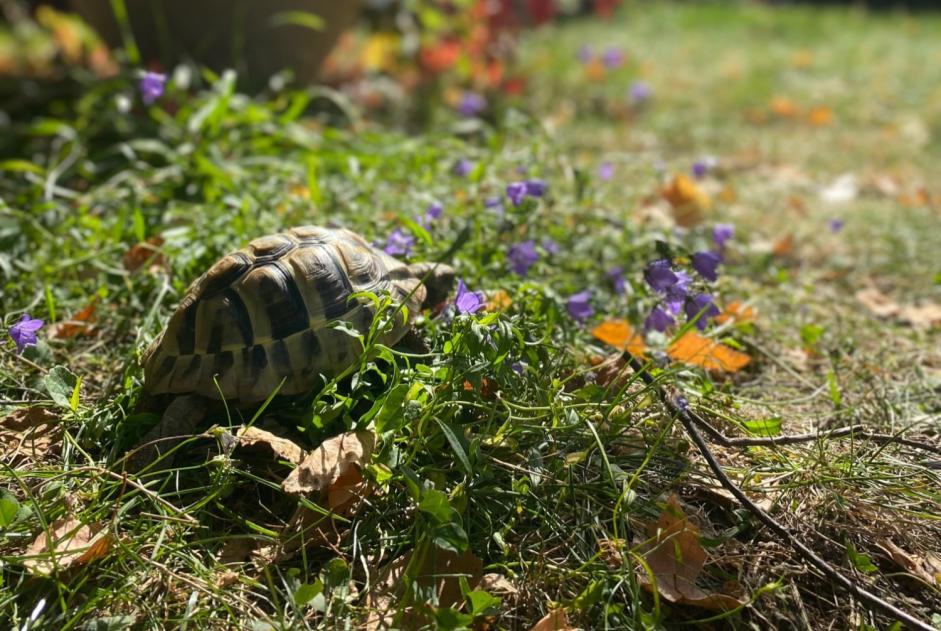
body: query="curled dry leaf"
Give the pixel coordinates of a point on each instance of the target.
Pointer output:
(29, 432)
(141, 253)
(688, 201)
(555, 620)
(272, 447)
(496, 584)
(915, 566)
(736, 312)
(619, 334)
(880, 305)
(68, 543)
(327, 463)
(676, 558)
(79, 323)
(820, 116)
(695, 349)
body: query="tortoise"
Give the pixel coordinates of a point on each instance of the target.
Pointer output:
(258, 321)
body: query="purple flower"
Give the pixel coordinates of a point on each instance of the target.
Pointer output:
(606, 171)
(703, 303)
(433, 211)
(516, 191)
(658, 320)
(578, 305)
(639, 92)
(706, 263)
(536, 187)
(584, 53)
(496, 205)
(463, 167)
(399, 243)
(151, 86)
(615, 275)
(518, 367)
(659, 276)
(522, 256)
(676, 294)
(550, 246)
(468, 301)
(612, 57)
(700, 169)
(835, 225)
(721, 233)
(24, 332)
(471, 104)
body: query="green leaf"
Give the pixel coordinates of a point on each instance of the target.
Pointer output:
(835, 395)
(860, 561)
(479, 602)
(391, 416)
(336, 574)
(9, 508)
(22, 166)
(73, 400)
(434, 503)
(448, 619)
(306, 592)
(811, 334)
(764, 427)
(60, 383)
(298, 18)
(451, 537)
(590, 595)
(458, 444)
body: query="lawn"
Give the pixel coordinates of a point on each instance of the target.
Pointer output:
(519, 466)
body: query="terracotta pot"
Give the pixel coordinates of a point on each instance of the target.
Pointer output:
(220, 34)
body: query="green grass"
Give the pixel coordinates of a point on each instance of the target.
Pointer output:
(541, 473)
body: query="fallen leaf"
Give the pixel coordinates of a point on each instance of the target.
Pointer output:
(802, 59)
(496, 584)
(921, 316)
(695, 349)
(29, 432)
(820, 116)
(140, 253)
(675, 557)
(68, 543)
(843, 189)
(736, 312)
(619, 334)
(80, 322)
(784, 107)
(441, 571)
(687, 200)
(783, 246)
(911, 564)
(555, 620)
(327, 463)
(271, 447)
(498, 300)
(348, 489)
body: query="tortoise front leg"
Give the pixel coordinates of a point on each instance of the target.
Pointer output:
(179, 422)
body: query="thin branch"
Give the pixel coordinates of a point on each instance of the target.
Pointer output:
(680, 409)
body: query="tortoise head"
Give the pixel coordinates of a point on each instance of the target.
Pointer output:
(437, 278)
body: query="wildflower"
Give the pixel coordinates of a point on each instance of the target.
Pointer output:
(706, 263)
(24, 332)
(518, 367)
(659, 276)
(835, 225)
(701, 303)
(151, 86)
(463, 167)
(496, 205)
(639, 92)
(399, 243)
(468, 301)
(471, 104)
(550, 246)
(606, 171)
(516, 191)
(612, 57)
(536, 187)
(721, 233)
(578, 305)
(522, 256)
(584, 53)
(616, 276)
(433, 211)
(658, 320)
(676, 293)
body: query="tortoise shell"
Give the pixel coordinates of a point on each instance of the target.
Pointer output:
(261, 314)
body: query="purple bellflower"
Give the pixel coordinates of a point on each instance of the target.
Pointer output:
(605, 171)
(701, 303)
(616, 276)
(516, 191)
(399, 243)
(706, 263)
(659, 275)
(468, 301)
(658, 320)
(151, 86)
(24, 332)
(471, 104)
(721, 233)
(579, 305)
(522, 256)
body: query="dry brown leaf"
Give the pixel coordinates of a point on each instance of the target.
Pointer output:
(349, 489)
(687, 200)
(878, 303)
(68, 543)
(141, 253)
(440, 570)
(496, 584)
(675, 558)
(498, 300)
(81, 322)
(619, 334)
(784, 107)
(783, 246)
(693, 348)
(31, 432)
(327, 463)
(921, 316)
(555, 620)
(272, 447)
(820, 116)
(913, 565)
(736, 312)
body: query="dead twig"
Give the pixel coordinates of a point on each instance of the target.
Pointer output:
(680, 409)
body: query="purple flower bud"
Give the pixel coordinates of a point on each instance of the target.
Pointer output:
(536, 187)
(151, 86)
(639, 92)
(463, 167)
(658, 320)
(433, 211)
(835, 225)
(706, 263)
(467, 301)
(606, 171)
(516, 191)
(579, 307)
(399, 243)
(471, 104)
(550, 246)
(612, 57)
(522, 256)
(701, 303)
(659, 276)
(721, 233)
(616, 276)
(24, 332)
